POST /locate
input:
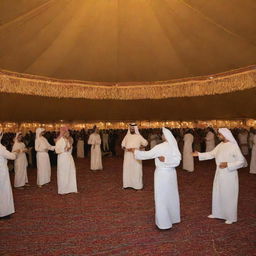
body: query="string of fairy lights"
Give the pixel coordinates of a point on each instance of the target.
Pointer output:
(32, 126)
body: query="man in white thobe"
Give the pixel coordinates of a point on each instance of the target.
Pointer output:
(96, 156)
(6, 197)
(132, 168)
(80, 147)
(253, 155)
(243, 142)
(66, 170)
(20, 163)
(42, 147)
(187, 158)
(228, 158)
(166, 194)
(210, 140)
(105, 140)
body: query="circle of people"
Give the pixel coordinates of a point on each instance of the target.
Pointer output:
(229, 157)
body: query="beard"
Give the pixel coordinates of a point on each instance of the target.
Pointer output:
(132, 132)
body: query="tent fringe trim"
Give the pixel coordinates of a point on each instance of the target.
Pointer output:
(232, 81)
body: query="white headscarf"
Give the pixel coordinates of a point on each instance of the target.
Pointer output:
(38, 132)
(229, 136)
(135, 128)
(172, 142)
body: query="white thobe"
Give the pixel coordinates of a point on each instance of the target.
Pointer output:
(96, 157)
(188, 159)
(132, 168)
(251, 135)
(166, 194)
(43, 161)
(6, 197)
(225, 185)
(80, 148)
(243, 142)
(253, 157)
(210, 141)
(20, 165)
(105, 142)
(66, 170)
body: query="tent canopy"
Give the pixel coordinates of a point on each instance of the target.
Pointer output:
(131, 40)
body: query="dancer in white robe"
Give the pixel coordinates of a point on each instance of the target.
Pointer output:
(132, 168)
(42, 147)
(80, 147)
(210, 140)
(96, 156)
(6, 196)
(66, 170)
(243, 142)
(20, 163)
(187, 158)
(166, 194)
(253, 156)
(105, 140)
(228, 158)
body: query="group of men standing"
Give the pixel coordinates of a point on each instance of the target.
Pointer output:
(228, 158)
(167, 156)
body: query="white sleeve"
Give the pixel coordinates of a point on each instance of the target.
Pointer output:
(52, 148)
(207, 155)
(172, 161)
(49, 146)
(90, 140)
(144, 155)
(7, 154)
(39, 146)
(239, 161)
(143, 142)
(15, 147)
(123, 142)
(59, 147)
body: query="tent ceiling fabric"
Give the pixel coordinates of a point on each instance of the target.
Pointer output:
(19, 108)
(126, 40)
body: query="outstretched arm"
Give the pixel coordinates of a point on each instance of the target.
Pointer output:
(144, 155)
(206, 155)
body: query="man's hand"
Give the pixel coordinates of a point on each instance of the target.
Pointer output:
(131, 150)
(223, 165)
(195, 154)
(161, 158)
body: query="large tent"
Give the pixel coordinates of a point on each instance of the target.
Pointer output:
(121, 44)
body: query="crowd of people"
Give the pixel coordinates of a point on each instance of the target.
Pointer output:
(44, 149)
